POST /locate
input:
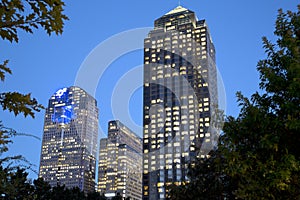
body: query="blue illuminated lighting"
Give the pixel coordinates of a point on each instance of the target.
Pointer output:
(63, 111)
(61, 92)
(63, 114)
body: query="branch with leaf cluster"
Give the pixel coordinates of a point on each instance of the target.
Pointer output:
(28, 15)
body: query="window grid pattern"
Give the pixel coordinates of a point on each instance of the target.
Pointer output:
(69, 149)
(179, 91)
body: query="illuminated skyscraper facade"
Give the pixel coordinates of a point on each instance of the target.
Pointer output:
(120, 162)
(180, 94)
(69, 146)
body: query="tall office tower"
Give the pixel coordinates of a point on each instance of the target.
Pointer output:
(69, 146)
(180, 94)
(120, 162)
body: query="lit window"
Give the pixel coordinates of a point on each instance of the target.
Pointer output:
(176, 144)
(176, 128)
(160, 184)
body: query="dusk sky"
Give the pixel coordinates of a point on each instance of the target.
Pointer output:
(42, 64)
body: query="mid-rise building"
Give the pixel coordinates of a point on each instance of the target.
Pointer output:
(120, 163)
(180, 95)
(69, 145)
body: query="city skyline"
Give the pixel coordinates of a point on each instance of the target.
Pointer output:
(64, 66)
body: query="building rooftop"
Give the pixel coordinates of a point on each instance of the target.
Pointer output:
(178, 9)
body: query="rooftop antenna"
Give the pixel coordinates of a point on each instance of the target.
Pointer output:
(179, 2)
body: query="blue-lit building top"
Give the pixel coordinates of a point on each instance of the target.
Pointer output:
(69, 146)
(63, 112)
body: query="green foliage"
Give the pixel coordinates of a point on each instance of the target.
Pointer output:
(14, 185)
(95, 196)
(6, 135)
(16, 102)
(207, 180)
(28, 15)
(63, 193)
(42, 189)
(4, 69)
(258, 156)
(262, 145)
(19, 103)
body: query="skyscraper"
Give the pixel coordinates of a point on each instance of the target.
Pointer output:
(120, 162)
(69, 146)
(180, 95)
